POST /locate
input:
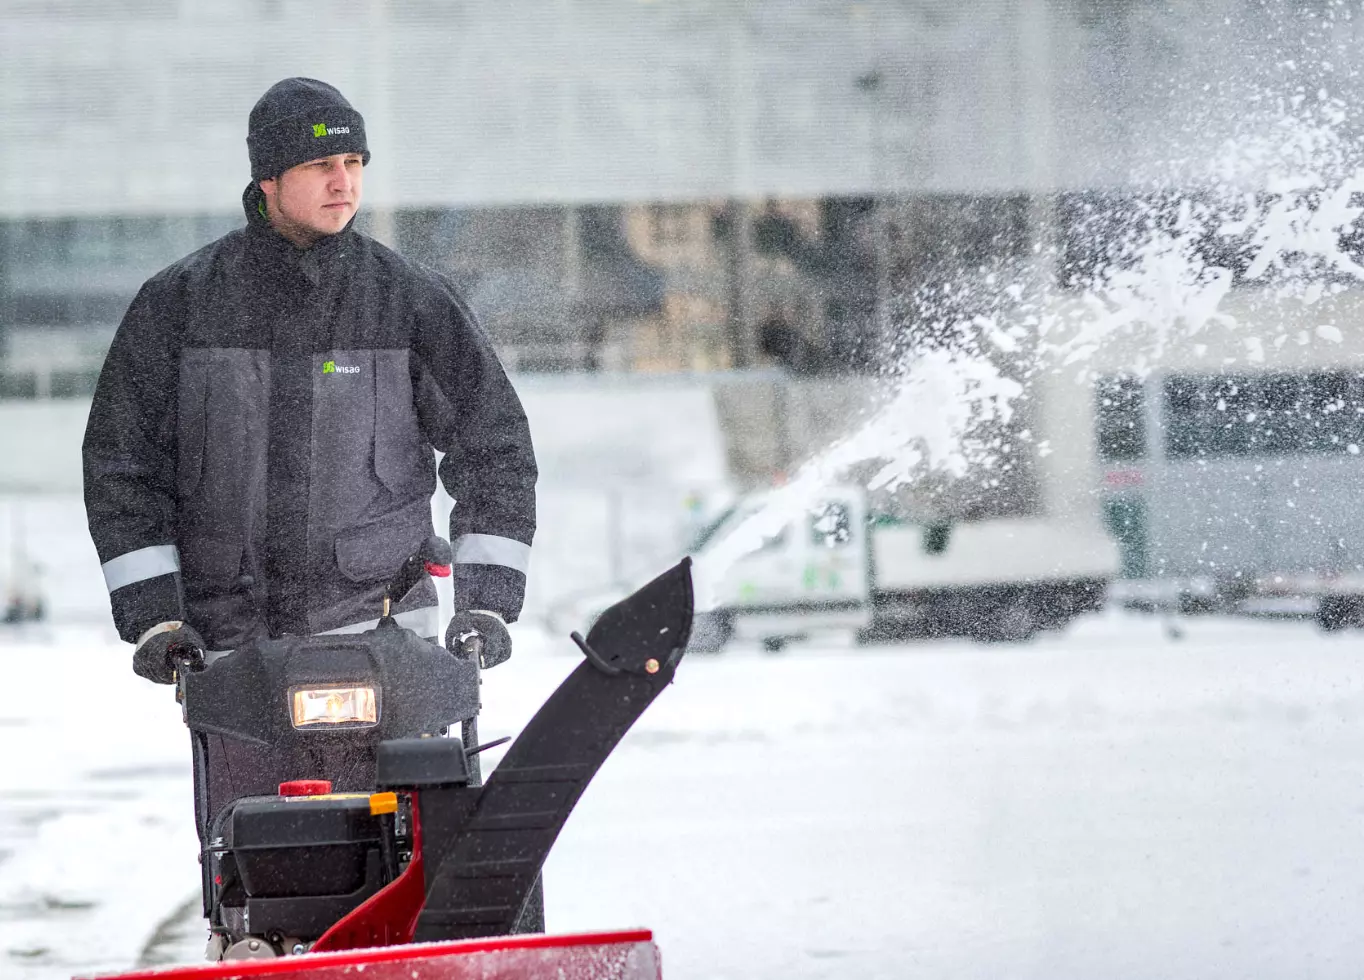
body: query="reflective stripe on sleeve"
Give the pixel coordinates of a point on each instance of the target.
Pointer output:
(489, 549)
(144, 563)
(424, 622)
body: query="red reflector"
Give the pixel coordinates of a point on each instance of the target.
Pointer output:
(305, 787)
(440, 571)
(217, 879)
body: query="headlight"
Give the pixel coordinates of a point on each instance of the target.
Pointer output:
(355, 706)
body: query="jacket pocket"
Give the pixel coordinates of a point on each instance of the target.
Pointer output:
(191, 421)
(398, 442)
(374, 551)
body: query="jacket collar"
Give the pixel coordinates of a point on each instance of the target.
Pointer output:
(275, 249)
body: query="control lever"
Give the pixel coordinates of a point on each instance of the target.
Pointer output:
(434, 557)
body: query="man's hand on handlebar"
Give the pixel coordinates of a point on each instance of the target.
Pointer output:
(479, 633)
(161, 650)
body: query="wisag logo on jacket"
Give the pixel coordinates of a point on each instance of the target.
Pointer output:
(331, 367)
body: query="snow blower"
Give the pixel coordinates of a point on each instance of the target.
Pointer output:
(388, 857)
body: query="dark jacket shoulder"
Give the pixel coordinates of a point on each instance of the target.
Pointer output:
(196, 268)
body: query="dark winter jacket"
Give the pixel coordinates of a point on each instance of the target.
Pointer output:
(259, 455)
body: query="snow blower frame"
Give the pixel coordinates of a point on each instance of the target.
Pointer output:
(429, 857)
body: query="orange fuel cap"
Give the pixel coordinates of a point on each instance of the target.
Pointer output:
(305, 787)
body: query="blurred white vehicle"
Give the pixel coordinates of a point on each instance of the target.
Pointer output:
(836, 567)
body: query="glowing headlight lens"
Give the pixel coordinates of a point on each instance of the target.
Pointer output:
(335, 706)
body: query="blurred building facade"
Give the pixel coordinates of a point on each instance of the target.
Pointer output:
(617, 184)
(683, 186)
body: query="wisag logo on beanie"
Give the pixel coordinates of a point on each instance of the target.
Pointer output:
(322, 129)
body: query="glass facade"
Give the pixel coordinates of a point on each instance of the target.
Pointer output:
(1120, 416)
(1276, 414)
(65, 283)
(548, 283)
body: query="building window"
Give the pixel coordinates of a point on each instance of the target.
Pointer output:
(1267, 415)
(1120, 411)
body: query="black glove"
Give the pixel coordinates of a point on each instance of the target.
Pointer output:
(479, 633)
(159, 648)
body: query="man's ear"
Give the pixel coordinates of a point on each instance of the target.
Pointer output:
(269, 186)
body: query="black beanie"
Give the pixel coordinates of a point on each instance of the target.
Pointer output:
(301, 119)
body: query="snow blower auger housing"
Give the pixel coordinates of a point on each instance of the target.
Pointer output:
(349, 866)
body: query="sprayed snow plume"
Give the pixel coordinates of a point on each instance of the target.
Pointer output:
(1271, 208)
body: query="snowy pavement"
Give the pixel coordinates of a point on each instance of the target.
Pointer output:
(1109, 802)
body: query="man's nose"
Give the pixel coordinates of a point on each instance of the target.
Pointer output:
(339, 178)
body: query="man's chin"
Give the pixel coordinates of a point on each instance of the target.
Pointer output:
(330, 222)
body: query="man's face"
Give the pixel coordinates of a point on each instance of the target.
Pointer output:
(315, 199)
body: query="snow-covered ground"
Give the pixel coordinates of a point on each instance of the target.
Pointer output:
(1111, 802)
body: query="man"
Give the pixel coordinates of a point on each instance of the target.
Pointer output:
(258, 458)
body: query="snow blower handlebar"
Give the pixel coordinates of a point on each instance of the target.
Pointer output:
(434, 557)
